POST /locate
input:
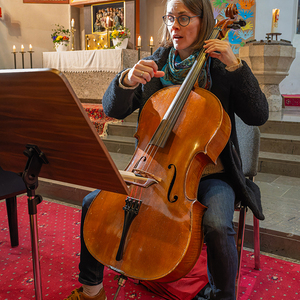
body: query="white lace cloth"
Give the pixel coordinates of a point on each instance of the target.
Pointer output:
(109, 60)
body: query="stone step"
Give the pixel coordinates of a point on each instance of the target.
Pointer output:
(126, 129)
(133, 117)
(119, 144)
(280, 143)
(281, 127)
(279, 163)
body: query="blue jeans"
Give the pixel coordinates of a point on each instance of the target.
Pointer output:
(91, 271)
(219, 197)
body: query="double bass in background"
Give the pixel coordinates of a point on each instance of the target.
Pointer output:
(156, 233)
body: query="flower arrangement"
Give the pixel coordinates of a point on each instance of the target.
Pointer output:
(60, 34)
(120, 33)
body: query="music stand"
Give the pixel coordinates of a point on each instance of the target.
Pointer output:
(41, 117)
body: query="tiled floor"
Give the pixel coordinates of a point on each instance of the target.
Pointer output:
(281, 203)
(280, 194)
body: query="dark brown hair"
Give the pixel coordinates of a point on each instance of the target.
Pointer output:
(197, 7)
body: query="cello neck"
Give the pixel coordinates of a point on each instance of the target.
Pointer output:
(165, 127)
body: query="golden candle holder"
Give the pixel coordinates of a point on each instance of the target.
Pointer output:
(108, 36)
(73, 38)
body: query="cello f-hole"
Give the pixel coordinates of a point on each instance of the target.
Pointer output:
(175, 198)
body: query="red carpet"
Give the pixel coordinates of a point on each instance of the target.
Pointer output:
(98, 117)
(59, 250)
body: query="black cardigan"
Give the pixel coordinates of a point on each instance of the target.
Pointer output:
(239, 93)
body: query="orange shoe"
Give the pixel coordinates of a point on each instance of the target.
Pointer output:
(77, 294)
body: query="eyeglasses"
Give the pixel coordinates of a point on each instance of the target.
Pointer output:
(182, 20)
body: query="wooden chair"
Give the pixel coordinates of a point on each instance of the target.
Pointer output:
(249, 143)
(11, 185)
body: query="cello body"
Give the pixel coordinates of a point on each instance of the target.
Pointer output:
(155, 233)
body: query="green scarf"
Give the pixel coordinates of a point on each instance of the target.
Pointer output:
(176, 70)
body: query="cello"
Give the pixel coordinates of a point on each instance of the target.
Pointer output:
(155, 232)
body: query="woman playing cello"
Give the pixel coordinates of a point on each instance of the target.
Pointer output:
(188, 24)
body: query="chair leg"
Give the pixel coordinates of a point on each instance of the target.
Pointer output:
(256, 243)
(239, 245)
(11, 207)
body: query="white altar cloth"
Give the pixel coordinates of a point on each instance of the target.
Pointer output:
(109, 60)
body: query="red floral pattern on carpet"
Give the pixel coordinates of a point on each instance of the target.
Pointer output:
(98, 117)
(59, 244)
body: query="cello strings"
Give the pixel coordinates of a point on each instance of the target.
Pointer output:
(180, 100)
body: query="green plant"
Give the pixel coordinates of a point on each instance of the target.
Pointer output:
(60, 34)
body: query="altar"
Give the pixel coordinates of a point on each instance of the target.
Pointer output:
(91, 71)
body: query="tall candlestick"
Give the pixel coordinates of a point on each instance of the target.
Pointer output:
(73, 37)
(22, 52)
(15, 58)
(139, 41)
(30, 53)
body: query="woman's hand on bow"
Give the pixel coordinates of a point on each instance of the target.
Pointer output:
(221, 50)
(142, 72)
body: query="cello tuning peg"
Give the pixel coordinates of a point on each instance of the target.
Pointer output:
(237, 24)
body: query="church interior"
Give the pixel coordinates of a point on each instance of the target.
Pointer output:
(57, 59)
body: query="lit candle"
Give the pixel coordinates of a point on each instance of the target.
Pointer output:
(14, 48)
(22, 48)
(275, 18)
(151, 41)
(30, 47)
(139, 41)
(72, 23)
(107, 21)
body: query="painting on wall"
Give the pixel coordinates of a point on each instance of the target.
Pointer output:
(47, 1)
(107, 16)
(246, 8)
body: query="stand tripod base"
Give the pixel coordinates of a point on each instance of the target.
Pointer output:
(121, 282)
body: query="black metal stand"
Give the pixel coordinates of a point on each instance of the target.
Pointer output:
(30, 51)
(15, 59)
(22, 52)
(30, 176)
(121, 282)
(139, 52)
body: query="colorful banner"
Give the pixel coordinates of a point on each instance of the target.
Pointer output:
(246, 8)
